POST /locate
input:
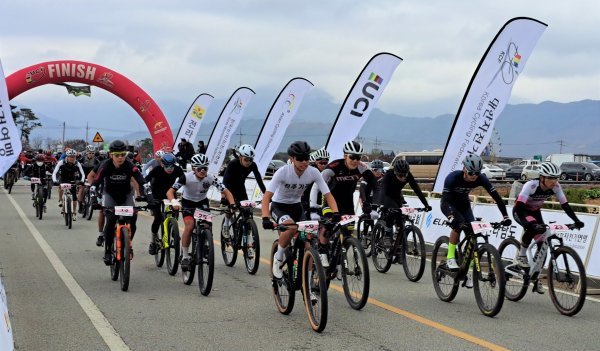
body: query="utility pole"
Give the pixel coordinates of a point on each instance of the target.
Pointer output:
(86, 133)
(63, 135)
(561, 143)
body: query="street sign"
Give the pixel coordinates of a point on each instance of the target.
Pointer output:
(98, 138)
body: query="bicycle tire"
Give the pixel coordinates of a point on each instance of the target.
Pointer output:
(115, 266)
(37, 208)
(572, 281)
(188, 276)
(252, 263)
(489, 278)
(314, 289)
(284, 291)
(10, 182)
(229, 247)
(172, 252)
(90, 206)
(381, 260)
(354, 264)
(516, 287)
(69, 213)
(206, 261)
(363, 229)
(125, 267)
(83, 207)
(50, 190)
(159, 257)
(413, 253)
(447, 290)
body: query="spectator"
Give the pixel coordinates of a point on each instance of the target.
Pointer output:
(201, 147)
(186, 151)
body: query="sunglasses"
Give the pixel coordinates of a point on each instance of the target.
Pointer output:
(402, 175)
(354, 157)
(200, 169)
(323, 163)
(169, 167)
(248, 159)
(473, 173)
(301, 158)
(119, 154)
(552, 178)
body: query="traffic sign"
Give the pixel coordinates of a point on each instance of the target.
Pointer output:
(98, 138)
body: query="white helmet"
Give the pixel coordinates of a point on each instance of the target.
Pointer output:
(159, 153)
(246, 151)
(71, 153)
(199, 160)
(353, 147)
(321, 154)
(90, 148)
(549, 169)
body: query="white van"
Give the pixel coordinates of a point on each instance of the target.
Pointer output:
(528, 162)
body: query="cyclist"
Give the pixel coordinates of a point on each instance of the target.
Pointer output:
(88, 163)
(155, 162)
(285, 189)
(369, 193)
(235, 176)
(318, 159)
(38, 170)
(67, 171)
(456, 206)
(102, 155)
(117, 175)
(49, 159)
(526, 210)
(160, 179)
(195, 185)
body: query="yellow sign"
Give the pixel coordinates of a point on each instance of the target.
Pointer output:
(98, 138)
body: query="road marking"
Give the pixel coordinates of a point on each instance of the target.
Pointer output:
(112, 339)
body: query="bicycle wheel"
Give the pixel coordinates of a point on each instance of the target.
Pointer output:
(363, 229)
(206, 261)
(567, 281)
(84, 207)
(445, 286)
(284, 290)
(10, 181)
(516, 287)
(188, 276)
(115, 266)
(314, 289)
(355, 273)
(50, 189)
(173, 240)
(69, 213)
(488, 280)
(40, 201)
(380, 252)
(413, 253)
(159, 257)
(251, 247)
(229, 245)
(125, 267)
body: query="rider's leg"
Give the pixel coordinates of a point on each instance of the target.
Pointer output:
(186, 237)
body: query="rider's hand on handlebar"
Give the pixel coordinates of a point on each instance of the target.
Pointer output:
(336, 217)
(267, 223)
(579, 224)
(428, 208)
(506, 222)
(176, 204)
(232, 207)
(366, 207)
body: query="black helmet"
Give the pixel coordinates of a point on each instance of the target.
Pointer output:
(377, 165)
(117, 145)
(401, 166)
(299, 148)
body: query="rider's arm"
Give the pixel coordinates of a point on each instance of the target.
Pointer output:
(494, 194)
(322, 185)
(258, 178)
(55, 172)
(417, 189)
(369, 177)
(326, 177)
(228, 195)
(331, 202)
(364, 189)
(81, 172)
(266, 200)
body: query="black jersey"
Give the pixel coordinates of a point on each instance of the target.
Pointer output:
(162, 181)
(117, 181)
(457, 189)
(391, 189)
(235, 176)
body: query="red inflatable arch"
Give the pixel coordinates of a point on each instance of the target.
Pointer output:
(101, 77)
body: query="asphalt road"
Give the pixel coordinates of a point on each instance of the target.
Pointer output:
(61, 298)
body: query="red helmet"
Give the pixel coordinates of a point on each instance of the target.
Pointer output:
(39, 158)
(48, 152)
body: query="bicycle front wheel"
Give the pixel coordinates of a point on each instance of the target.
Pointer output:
(380, 251)
(125, 259)
(115, 267)
(90, 207)
(251, 248)
(314, 289)
(206, 261)
(413, 253)
(516, 287)
(363, 229)
(355, 274)
(488, 280)
(229, 245)
(159, 257)
(188, 276)
(284, 290)
(446, 287)
(173, 240)
(69, 213)
(567, 281)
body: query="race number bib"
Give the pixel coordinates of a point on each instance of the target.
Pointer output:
(481, 227)
(407, 210)
(247, 203)
(309, 227)
(65, 186)
(35, 180)
(347, 219)
(203, 215)
(125, 211)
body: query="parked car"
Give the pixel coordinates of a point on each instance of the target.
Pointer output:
(274, 165)
(579, 171)
(493, 172)
(530, 172)
(504, 166)
(514, 172)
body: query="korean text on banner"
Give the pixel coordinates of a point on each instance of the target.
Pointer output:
(6, 334)
(361, 100)
(279, 118)
(488, 92)
(10, 139)
(230, 118)
(193, 119)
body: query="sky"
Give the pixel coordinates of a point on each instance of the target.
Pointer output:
(176, 50)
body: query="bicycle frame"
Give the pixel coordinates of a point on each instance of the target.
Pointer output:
(476, 230)
(339, 232)
(543, 244)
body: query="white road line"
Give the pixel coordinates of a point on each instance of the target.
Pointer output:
(112, 339)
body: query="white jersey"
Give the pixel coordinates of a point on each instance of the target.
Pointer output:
(195, 189)
(288, 187)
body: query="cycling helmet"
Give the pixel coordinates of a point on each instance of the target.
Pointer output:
(90, 148)
(549, 169)
(103, 152)
(299, 148)
(312, 157)
(130, 155)
(473, 163)
(117, 145)
(71, 153)
(199, 160)
(168, 160)
(159, 153)
(377, 165)
(48, 152)
(401, 166)
(39, 157)
(246, 151)
(321, 154)
(353, 147)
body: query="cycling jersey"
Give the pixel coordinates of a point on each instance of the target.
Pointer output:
(533, 197)
(36, 171)
(369, 193)
(288, 187)
(149, 166)
(195, 189)
(88, 164)
(162, 181)
(67, 172)
(235, 176)
(50, 160)
(117, 181)
(391, 190)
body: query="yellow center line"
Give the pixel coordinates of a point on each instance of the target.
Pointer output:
(415, 317)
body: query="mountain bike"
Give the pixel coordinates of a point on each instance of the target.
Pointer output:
(10, 177)
(488, 278)
(67, 202)
(406, 245)
(203, 253)
(364, 228)
(347, 257)
(567, 282)
(243, 234)
(49, 183)
(121, 247)
(39, 200)
(311, 282)
(169, 241)
(86, 207)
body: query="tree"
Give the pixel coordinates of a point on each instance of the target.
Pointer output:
(77, 144)
(27, 121)
(145, 148)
